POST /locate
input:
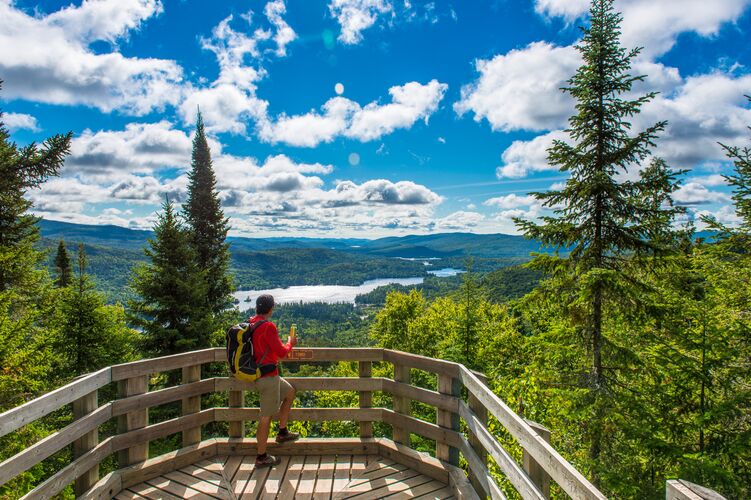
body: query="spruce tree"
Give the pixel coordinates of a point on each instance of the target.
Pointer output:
(62, 265)
(207, 224)
(605, 220)
(91, 334)
(171, 308)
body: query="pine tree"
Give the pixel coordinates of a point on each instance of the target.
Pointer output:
(91, 333)
(208, 226)
(62, 265)
(171, 309)
(605, 220)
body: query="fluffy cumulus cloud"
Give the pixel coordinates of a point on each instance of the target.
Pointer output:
(695, 193)
(655, 25)
(521, 89)
(702, 109)
(341, 117)
(57, 64)
(510, 201)
(355, 16)
(144, 163)
(19, 121)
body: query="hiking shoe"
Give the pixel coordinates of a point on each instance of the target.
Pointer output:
(290, 436)
(269, 461)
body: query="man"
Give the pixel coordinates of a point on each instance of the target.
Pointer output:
(276, 393)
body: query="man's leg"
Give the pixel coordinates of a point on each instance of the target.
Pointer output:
(286, 407)
(262, 435)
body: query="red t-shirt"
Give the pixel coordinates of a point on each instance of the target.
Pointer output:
(266, 340)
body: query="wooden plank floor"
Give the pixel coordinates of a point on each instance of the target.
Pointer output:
(359, 477)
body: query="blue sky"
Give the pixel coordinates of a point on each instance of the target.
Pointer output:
(352, 117)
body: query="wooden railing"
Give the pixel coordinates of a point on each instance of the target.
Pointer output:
(541, 464)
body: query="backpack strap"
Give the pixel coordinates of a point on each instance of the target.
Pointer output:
(251, 330)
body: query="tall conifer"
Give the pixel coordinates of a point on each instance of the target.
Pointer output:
(171, 308)
(603, 217)
(207, 224)
(63, 267)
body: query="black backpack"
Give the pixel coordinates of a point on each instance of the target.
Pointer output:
(240, 355)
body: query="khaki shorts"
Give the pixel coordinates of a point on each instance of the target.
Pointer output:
(272, 391)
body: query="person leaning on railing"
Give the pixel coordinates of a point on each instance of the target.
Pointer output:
(276, 394)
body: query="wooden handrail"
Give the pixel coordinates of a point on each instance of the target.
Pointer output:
(135, 432)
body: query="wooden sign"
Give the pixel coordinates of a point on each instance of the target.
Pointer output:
(300, 354)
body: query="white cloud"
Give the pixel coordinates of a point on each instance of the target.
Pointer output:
(342, 117)
(521, 89)
(693, 193)
(459, 221)
(510, 201)
(355, 16)
(655, 25)
(231, 99)
(524, 157)
(58, 66)
(19, 121)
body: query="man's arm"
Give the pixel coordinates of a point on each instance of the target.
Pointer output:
(275, 344)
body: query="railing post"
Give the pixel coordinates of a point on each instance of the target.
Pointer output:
(535, 472)
(191, 405)
(82, 407)
(135, 419)
(366, 399)
(482, 414)
(401, 404)
(447, 419)
(237, 427)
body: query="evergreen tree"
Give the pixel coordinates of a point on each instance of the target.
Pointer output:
(25, 291)
(171, 309)
(62, 265)
(601, 216)
(91, 334)
(208, 226)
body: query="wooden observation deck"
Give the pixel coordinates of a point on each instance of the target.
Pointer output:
(361, 467)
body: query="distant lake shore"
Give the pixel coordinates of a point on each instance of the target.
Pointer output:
(330, 294)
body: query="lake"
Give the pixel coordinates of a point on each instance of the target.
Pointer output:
(330, 293)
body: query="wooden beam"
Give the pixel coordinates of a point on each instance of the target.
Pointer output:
(481, 413)
(402, 404)
(535, 472)
(168, 462)
(680, 489)
(162, 396)
(82, 407)
(57, 483)
(303, 414)
(303, 446)
(308, 384)
(432, 398)
(482, 474)
(365, 369)
(236, 427)
(191, 404)
(562, 472)
(451, 387)
(53, 443)
(44, 405)
(416, 426)
(105, 489)
(316, 354)
(133, 420)
(420, 462)
(138, 437)
(162, 364)
(463, 489)
(432, 365)
(510, 468)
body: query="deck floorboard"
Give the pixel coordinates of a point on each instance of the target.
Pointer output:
(327, 477)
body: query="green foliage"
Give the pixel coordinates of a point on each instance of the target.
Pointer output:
(89, 334)
(171, 309)
(207, 224)
(63, 266)
(605, 221)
